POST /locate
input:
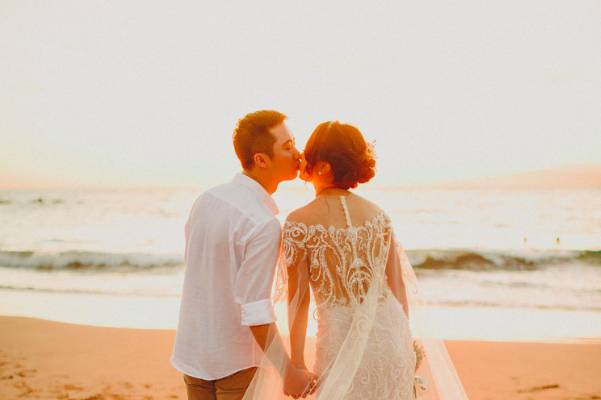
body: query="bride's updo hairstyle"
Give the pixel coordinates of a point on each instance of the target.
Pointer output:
(342, 146)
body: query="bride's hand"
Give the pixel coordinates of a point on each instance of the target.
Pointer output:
(298, 382)
(313, 383)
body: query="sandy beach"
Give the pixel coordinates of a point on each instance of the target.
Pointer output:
(42, 359)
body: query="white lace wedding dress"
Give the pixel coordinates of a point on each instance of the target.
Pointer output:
(344, 263)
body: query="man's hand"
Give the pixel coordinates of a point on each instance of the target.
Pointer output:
(299, 382)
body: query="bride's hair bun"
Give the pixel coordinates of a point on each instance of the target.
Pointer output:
(342, 145)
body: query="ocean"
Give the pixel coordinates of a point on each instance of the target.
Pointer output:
(491, 265)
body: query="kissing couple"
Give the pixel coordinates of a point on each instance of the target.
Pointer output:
(338, 251)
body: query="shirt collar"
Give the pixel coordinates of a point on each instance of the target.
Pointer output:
(258, 190)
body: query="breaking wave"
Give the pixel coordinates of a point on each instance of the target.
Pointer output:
(88, 261)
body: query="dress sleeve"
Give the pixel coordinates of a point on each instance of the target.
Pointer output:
(255, 276)
(293, 252)
(293, 243)
(398, 272)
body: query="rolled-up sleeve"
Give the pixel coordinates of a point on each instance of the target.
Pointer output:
(255, 276)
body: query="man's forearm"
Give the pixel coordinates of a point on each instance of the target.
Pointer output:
(268, 338)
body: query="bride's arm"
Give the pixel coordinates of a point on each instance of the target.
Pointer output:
(298, 311)
(394, 275)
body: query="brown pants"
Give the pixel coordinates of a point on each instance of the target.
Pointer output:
(231, 387)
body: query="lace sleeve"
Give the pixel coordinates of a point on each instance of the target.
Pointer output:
(293, 243)
(397, 267)
(292, 252)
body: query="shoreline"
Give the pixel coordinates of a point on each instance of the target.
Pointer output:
(484, 323)
(56, 360)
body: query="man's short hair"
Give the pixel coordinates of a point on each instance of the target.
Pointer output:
(252, 135)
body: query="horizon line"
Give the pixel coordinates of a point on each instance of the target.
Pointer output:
(483, 181)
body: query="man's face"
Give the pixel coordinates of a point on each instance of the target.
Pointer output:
(286, 157)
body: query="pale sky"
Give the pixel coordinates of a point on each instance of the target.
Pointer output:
(113, 93)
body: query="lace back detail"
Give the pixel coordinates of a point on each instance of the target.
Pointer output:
(364, 348)
(342, 262)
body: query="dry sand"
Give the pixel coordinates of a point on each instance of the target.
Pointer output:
(50, 360)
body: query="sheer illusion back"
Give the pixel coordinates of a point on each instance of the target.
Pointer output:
(343, 257)
(344, 248)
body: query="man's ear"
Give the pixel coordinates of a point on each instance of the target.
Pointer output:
(261, 160)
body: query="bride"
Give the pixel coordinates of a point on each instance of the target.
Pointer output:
(340, 251)
(338, 245)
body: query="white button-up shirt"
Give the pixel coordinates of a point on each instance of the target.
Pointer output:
(232, 245)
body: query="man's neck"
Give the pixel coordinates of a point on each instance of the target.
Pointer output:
(270, 187)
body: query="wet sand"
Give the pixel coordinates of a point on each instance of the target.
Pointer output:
(42, 359)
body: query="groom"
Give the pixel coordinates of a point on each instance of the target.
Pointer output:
(232, 242)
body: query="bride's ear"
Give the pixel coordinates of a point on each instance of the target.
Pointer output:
(323, 168)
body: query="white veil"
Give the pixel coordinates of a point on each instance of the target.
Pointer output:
(437, 368)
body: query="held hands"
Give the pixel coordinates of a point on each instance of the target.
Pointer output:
(299, 382)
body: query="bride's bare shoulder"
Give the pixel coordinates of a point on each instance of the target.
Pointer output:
(364, 202)
(364, 207)
(303, 214)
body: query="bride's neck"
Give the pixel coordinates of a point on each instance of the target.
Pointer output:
(329, 190)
